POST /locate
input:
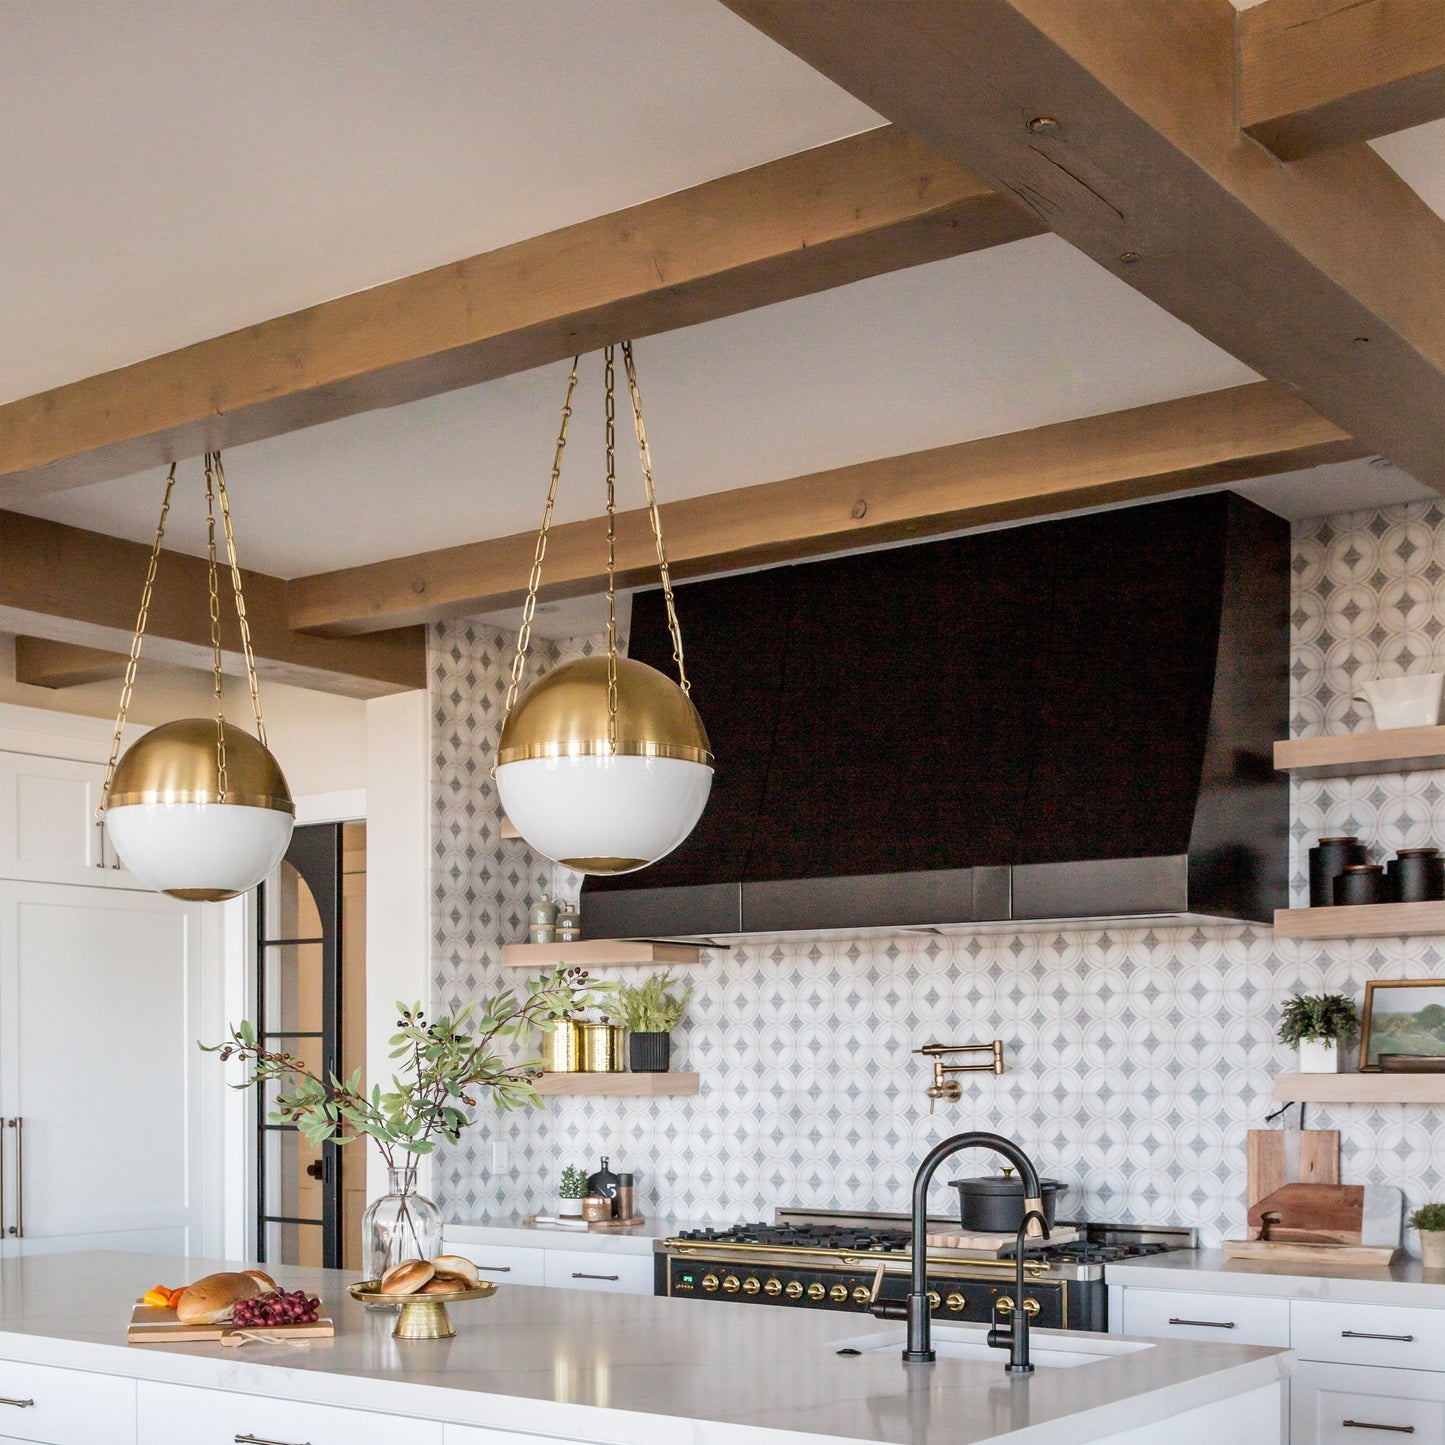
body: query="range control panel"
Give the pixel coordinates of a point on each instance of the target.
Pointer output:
(842, 1289)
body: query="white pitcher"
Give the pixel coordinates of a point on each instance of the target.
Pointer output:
(1404, 702)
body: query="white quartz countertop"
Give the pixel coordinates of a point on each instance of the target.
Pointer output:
(517, 1232)
(621, 1368)
(1406, 1282)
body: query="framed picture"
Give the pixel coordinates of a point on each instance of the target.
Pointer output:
(1404, 1016)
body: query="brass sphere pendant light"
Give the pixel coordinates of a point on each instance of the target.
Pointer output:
(604, 764)
(196, 809)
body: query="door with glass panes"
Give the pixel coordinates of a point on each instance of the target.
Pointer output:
(310, 973)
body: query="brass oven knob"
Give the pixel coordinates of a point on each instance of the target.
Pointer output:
(1004, 1304)
(710, 1283)
(1031, 1306)
(751, 1285)
(816, 1291)
(862, 1294)
(793, 1289)
(730, 1284)
(838, 1293)
(934, 1299)
(774, 1287)
(956, 1302)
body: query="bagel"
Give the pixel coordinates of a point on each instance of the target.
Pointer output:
(407, 1277)
(457, 1264)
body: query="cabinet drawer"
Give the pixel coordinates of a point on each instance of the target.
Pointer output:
(479, 1435)
(1357, 1405)
(619, 1273)
(506, 1264)
(70, 1407)
(1189, 1315)
(182, 1415)
(1394, 1336)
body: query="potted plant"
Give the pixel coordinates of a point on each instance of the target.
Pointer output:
(1318, 1024)
(571, 1192)
(445, 1065)
(1429, 1219)
(650, 1014)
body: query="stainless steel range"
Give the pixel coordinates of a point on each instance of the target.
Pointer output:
(822, 1259)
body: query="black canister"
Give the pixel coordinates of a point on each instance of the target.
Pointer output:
(1328, 859)
(1416, 875)
(1360, 883)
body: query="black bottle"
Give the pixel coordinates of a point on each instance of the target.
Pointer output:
(604, 1182)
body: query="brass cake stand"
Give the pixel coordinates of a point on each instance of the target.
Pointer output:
(423, 1316)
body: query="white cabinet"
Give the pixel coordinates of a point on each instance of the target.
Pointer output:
(1192, 1315)
(183, 1415)
(1394, 1336)
(1353, 1404)
(612, 1273)
(100, 1010)
(478, 1435)
(506, 1264)
(65, 1407)
(48, 829)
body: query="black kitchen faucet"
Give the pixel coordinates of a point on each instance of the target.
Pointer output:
(1014, 1338)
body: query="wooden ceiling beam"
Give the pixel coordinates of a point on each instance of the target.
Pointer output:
(1315, 74)
(1120, 132)
(43, 662)
(1148, 451)
(873, 203)
(68, 585)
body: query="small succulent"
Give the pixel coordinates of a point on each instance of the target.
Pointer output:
(574, 1183)
(1317, 1018)
(1428, 1217)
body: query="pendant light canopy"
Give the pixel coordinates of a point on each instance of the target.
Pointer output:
(604, 764)
(197, 809)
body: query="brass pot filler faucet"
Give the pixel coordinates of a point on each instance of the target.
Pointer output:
(944, 1086)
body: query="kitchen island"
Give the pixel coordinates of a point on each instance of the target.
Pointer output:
(539, 1365)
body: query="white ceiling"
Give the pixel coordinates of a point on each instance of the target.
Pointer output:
(189, 167)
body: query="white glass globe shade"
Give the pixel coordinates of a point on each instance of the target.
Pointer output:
(206, 851)
(604, 814)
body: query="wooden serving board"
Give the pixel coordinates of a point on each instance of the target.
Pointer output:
(152, 1325)
(1329, 1213)
(1368, 1255)
(992, 1243)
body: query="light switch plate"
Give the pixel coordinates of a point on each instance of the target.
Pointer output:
(501, 1156)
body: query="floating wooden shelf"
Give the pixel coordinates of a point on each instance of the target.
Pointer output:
(509, 828)
(1370, 920)
(1395, 750)
(598, 953)
(1359, 1089)
(635, 1086)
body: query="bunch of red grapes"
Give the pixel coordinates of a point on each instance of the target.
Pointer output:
(284, 1307)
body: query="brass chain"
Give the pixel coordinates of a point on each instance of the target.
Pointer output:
(215, 595)
(610, 378)
(524, 637)
(240, 602)
(135, 645)
(646, 456)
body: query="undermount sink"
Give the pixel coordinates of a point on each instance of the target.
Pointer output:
(962, 1343)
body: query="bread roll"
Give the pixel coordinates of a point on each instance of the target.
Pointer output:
(457, 1264)
(444, 1284)
(211, 1299)
(264, 1280)
(407, 1277)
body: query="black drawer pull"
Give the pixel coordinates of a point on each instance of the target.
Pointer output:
(496, 1268)
(261, 1440)
(577, 1274)
(19, 1404)
(1399, 1339)
(1366, 1425)
(1206, 1324)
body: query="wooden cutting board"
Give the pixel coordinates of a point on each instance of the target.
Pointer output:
(152, 1325)
(972, 1243)
(1311, 1214)
(1368, 1255)
(1276, 1157)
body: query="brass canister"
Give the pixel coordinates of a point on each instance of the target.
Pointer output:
(564, 1048)
(602, 1048)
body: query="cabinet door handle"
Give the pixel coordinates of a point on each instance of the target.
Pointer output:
(19, 1404)
(577, 1274)
(496, 1268)
(1368, 1425)
(18, 1228)
(1361, 1335)
(1205, 1324)
(261, 1440)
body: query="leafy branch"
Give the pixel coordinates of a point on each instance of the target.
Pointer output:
(446, 1063)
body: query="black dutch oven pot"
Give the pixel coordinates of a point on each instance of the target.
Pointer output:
(994, 1203)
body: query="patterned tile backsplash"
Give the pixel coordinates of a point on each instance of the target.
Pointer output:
(1137, 1056)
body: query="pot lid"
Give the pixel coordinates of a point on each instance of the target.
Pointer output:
(1004, 1184)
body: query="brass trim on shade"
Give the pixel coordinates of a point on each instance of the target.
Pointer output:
(176, 763)
(603, 865)
(565, 715)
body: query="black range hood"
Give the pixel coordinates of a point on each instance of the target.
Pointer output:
(1067, 720)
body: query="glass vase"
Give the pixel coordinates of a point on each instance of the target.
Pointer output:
(402, 1224)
